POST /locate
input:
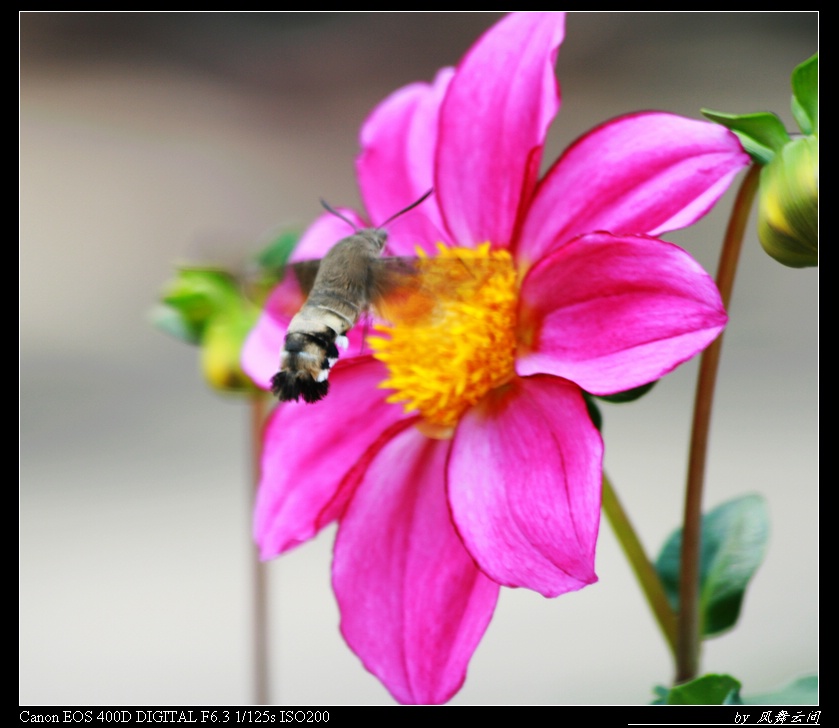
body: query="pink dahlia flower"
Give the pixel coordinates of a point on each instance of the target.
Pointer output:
(462, 459)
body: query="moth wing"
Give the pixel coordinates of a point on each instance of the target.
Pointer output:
(417, 290)
(305, 272)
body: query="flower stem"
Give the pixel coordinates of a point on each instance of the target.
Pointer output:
(644, 570)
(687, 653)
(259, 575)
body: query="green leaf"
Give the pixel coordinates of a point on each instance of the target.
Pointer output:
(269, 267)
(802, 691)
(724, 690)
(734, 537)
(762, 134)
(630, 395)
(662, 693)
(274, 256)
(805, 95)
(705, 690)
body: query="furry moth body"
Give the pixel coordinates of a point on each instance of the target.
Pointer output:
(350, 278)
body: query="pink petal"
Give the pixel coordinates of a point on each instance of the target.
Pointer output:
(645, 173)
(493, 124)
(396, 164)
(612, 313)
(308, 450)
(524, 485)
(413, 604)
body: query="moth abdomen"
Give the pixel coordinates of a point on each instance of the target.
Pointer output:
(304, 369)
(306, 342)
(292, 385)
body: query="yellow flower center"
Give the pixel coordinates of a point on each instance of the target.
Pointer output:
(454, 340)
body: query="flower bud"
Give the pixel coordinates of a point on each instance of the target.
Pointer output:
(789, 204)
(221, 349)
(205, 307)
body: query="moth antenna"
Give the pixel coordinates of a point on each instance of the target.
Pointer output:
(410, 207)
(335, 212)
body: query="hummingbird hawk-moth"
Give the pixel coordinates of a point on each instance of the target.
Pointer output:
(349, 280)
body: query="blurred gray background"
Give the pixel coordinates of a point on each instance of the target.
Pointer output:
(143, 135)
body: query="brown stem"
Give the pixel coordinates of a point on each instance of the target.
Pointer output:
(687, 654)
(259, 574)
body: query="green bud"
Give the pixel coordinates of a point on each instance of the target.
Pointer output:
(221, 348)
(207, 307)
(788, 207)
(215, 308)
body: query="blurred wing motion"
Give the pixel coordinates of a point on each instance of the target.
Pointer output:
(350, 281)
(418, 290)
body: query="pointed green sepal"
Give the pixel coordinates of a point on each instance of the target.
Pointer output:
(734, 537)
(762, 134)
(197, 294)
(805, 95)
(630, 395)
(174, 323)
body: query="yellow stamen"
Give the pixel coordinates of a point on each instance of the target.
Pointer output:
(444, 360)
